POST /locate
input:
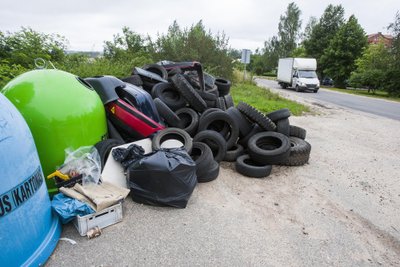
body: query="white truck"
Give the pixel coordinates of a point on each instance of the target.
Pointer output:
(298, 73)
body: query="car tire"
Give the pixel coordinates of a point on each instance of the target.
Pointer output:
(299, 152)
(215, 141)
(269, 147)
(223, 85)
(222, 118)
(233, 153)
(104, 148)
(279, 114)
(247, 167)
(254, 130)
(172, 133)
(168, 94)
(189, 93)
(228, 101)
(283, 126)
(297, 131)
(189, 120)
(256, 116)
(157, 69)
(167, 114)
(244, 124)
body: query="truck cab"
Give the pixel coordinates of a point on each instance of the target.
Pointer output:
(305, 80)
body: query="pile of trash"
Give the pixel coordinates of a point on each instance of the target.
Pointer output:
(169, 125)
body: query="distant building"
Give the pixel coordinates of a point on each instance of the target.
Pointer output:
(377, 37)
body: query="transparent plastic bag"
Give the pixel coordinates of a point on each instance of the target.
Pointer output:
(84, 161)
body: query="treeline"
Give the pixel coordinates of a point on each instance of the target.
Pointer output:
(340, 47)
(19, 49)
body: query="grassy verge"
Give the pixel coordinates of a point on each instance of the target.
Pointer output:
(264, 100)
(377, 94)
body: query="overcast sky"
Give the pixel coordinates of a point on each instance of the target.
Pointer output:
(88, 23)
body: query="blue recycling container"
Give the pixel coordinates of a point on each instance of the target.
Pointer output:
(29, 231)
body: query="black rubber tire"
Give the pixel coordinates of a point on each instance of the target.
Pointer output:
(269, 148)
(283, 126)
(279, 114)
(133, 79)
(220, 103)
(297, 88)
(189, 93)
(215, 141)
(297, 131)
(157, 69)
(203, 157)
(244, 124)
(207, 96)
(221, 117)
(104, 147)
(246, 166)
(256, 116)
(245, 140)
(316, 91)
(211, 174)
(299, 152)
(233, 153)
(189, 120)
(174, 71)
(213, 90)
(208, 111)
(168, 94)
(172, 133)
(228, 101)
(167, 114)
(210, 103)
(224, 86)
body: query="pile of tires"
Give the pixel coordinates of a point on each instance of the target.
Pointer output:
(220, 130)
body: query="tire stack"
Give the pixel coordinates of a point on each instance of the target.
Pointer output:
(221, 131)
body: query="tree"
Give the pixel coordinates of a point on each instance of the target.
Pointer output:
(371, 67)
(126, 46)
(347, 45)
(194, 43)
(289, 30)
(312, 22)
(392, 84)
(18, 51)
(321, 34)
(22, 47)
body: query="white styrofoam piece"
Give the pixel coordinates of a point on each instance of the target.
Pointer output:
(113, 171)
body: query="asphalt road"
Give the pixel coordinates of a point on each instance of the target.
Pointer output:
(380, 107)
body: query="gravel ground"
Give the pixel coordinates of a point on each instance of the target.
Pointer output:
(341, 209)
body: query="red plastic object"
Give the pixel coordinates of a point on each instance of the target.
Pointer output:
(131, 120)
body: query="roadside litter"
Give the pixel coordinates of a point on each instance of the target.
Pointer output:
(169, 125)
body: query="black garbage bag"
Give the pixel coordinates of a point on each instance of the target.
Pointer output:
(166, 177)
(127, 156)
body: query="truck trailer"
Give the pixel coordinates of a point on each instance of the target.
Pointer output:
(298, 73)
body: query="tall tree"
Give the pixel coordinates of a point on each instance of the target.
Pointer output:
(371, 67)
(393, 74)
(347, 45)
(289, 30)
(322, 33)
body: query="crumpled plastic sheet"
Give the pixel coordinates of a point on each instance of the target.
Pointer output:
(68, 208)
(129, 155)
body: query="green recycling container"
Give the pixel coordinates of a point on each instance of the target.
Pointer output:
(61, 110)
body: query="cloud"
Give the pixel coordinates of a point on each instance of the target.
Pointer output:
(87, 24)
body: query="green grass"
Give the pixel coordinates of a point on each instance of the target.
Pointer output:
(363, 92)
(264, 100)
